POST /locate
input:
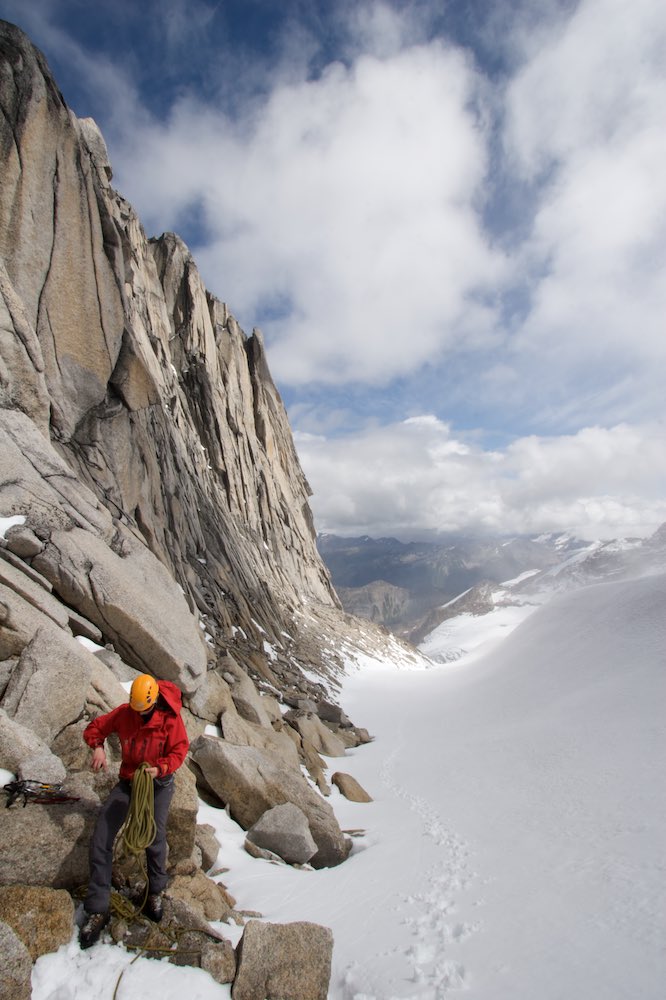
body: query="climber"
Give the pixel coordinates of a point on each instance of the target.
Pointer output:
(151, 732)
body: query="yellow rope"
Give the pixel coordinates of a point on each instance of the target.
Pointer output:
(124, 908)
(140, 829)
(138, 832)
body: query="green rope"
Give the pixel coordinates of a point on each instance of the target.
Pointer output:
(138, 832)
(115, 992)
(124, 908)
(140, 829)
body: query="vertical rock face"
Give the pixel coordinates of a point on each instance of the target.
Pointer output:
(151, 502)
(133, 407)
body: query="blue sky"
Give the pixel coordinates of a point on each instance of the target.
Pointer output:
(448, 219)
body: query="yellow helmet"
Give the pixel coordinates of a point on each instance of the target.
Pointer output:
(143, 693)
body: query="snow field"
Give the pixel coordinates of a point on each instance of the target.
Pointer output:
(516, 845)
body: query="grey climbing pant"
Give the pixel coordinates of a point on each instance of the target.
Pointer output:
(109, 822)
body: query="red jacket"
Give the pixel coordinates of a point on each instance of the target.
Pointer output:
(161, 741)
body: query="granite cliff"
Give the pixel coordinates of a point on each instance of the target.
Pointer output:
(154, 515)
(141, 430)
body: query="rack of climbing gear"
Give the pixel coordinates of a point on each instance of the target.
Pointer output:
(40, 792)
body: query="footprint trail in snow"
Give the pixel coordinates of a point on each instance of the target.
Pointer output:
(433, 955)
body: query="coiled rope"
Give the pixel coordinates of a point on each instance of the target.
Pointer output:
(138, 832)
(140, 829)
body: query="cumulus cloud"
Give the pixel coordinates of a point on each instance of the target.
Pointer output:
(351, 205)
(585, 123)
(345, 211)
(342, 210)
(183, 21)
(109, 80)
(343, 206)
(417, 478)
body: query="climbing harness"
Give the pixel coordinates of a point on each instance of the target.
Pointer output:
(39, 792)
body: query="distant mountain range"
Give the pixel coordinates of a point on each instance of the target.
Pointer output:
(411, 587)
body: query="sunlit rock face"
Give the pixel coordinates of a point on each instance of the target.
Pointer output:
(153, 507)
(151, 499)
(136, 413)
(153, 518)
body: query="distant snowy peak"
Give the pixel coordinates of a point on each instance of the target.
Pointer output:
(489, 612)
(589, 562)
(520, 579)
(560, 542)
(412, 587)
(658, 540)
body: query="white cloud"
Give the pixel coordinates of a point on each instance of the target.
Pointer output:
(183, 21)
(348, 203)
(344, 212)
(108, 77)
(350, 207)
(416, 478)
(591, 79)
(380, 29)
(586, 115)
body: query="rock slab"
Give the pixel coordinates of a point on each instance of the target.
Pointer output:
(350, 787)
(284, 830)
(16, 965)
(43, 918)
(251, 782)
(25, 755)
(283, 962)
(48, 844)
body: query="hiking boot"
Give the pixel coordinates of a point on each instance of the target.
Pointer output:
(92, 928)
(153, 908)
